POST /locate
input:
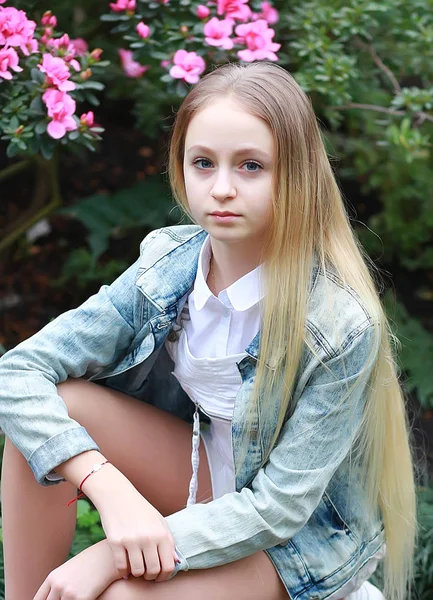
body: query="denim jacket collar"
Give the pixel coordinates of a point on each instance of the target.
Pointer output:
(167, 282)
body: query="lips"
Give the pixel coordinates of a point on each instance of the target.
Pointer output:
(224, 214)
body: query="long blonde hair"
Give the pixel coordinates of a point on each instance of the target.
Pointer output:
(309, 219)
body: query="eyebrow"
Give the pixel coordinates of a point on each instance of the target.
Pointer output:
(239, 151)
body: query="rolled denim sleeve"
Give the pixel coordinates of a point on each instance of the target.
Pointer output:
(78, 342)
(281, 498)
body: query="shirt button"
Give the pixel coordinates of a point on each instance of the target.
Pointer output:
(172, 336)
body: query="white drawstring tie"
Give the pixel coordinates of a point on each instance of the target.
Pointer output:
(195, 459)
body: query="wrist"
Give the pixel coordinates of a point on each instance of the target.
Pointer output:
(109, 481)
(78, 467)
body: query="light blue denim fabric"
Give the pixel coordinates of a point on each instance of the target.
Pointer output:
(296, 507)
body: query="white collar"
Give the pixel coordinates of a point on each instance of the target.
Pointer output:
(242, 294)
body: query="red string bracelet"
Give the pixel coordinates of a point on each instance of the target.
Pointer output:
(96, 467)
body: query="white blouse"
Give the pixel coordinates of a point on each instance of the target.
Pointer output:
(214, 334)
(226, 324)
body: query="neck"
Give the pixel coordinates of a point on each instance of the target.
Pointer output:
(230, 262)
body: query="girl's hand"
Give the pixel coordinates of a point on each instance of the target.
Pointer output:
(83, 577)
(137, 533)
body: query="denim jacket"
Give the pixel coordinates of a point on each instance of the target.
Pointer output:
(295, 507)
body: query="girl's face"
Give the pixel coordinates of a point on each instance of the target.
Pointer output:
(228, 160)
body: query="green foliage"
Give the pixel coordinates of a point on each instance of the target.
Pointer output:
(423, 562)
(82, 268)
(145, 206)
(364, 65)
(89, 529)
(424, 554)
(416, 353)
(147, 203)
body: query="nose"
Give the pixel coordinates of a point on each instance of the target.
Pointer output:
(223, 188)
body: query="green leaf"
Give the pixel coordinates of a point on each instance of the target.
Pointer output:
(47, 147)
(73, 135)
(14, 123)
(37, 107)
(92, 99)
(90, 85)
(147, 203)
(416, 342)
(101, 64)
(12, 150)
(114, 17)
(37, 76)
(41, 127)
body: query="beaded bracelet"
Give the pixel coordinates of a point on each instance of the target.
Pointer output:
(96, 467)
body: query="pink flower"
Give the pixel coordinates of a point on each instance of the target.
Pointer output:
(202, 11)
(234, 9)
(269, 13)
(16, 30)
(48, 19)
(65, 49)
(2, 1)
(164, 63)
(187, 66)
(217, 33)
(121, 5)
(87, 119)
(96, 54)
(80, 46)
(258, 39)
(8, 60)
(47, 35)
(57, 72)
(130, 66)
(143, 30)
(60, 107)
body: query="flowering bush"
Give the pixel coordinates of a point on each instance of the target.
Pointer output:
(43, 74)
(177, 39)
(174, 43)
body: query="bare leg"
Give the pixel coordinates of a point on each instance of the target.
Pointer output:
(151, 447)
(37, 527)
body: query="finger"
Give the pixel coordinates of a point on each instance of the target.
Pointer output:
(136, 560)
(43, 591)
(120, 558)
(151, 560)
(54, 595)
(167, 561)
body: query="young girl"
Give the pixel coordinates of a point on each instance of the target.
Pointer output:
(257, 332)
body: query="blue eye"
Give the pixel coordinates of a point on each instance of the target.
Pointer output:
(249, 162)
(201, 160)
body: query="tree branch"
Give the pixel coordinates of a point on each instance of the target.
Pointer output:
(47, 185)
(370, 49)
(15, 168)
(421, 116)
